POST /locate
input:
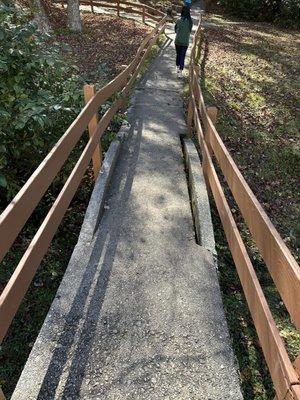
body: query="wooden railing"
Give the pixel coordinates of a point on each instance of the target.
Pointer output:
(19, 210)
(282, 266)
(128, 7)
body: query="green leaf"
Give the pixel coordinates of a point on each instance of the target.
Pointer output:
(3, 181)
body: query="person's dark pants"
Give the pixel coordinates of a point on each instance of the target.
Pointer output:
(180, 55)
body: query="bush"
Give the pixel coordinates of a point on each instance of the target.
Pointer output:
(39, 96)
(284, 12)
(290, 14)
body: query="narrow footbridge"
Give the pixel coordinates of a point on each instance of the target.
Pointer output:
(139, 313)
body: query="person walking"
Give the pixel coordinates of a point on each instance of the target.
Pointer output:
(183, 28)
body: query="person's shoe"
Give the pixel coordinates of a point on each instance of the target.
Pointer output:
(176, 70)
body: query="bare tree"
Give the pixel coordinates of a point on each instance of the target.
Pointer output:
(40, 15)
(74, 20)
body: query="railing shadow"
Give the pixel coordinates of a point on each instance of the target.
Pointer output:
(70, 331)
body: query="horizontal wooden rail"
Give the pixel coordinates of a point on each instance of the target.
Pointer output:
(19, 210)
(18, 284)
(282, 266)
(281, 368)
(138, 67)
(126, 6)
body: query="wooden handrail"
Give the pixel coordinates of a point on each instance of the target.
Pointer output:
(19, 210)
(124, 5)
(18, 284)
(281, 264)
(21, 207)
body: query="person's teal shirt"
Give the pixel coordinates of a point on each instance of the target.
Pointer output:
(183, 28)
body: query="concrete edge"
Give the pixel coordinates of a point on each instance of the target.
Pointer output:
(199, 197)
(96, 204)
(39, 359)
(203, 222)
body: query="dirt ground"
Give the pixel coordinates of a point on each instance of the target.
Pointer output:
(105, 44)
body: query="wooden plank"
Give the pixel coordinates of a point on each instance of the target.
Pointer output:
(212, 112)
(19, 282)
(281, 264)
(97, 3)
(135, 74)
(143, 15)
(19, 210)
(295, 392)
(190, 111)
(130, 3)
(197, 123)
(297, 365)
(161, 22)
(156, 11)
(129, 7)
(150, 16)
(89, 93)
(146, 6)
(280, 367)
(194, 97)
(198, 95)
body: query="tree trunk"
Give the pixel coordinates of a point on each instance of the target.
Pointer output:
(74, 21)
(40, 16)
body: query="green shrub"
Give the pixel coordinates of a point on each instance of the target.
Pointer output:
(39, 96)
(284, 12)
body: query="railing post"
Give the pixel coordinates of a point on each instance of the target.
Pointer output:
(197, 73)
(143, 16)
(297, 365)
(118, 8)
(190, 112)
(212, 113)
(89, 92)
(92, 7)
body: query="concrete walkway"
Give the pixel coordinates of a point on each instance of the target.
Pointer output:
(141, 317)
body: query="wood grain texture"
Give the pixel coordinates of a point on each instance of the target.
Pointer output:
(282, 266)
(18, 284)
(89, 93)
(297, 365)
(19, 210)
(280, 367)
